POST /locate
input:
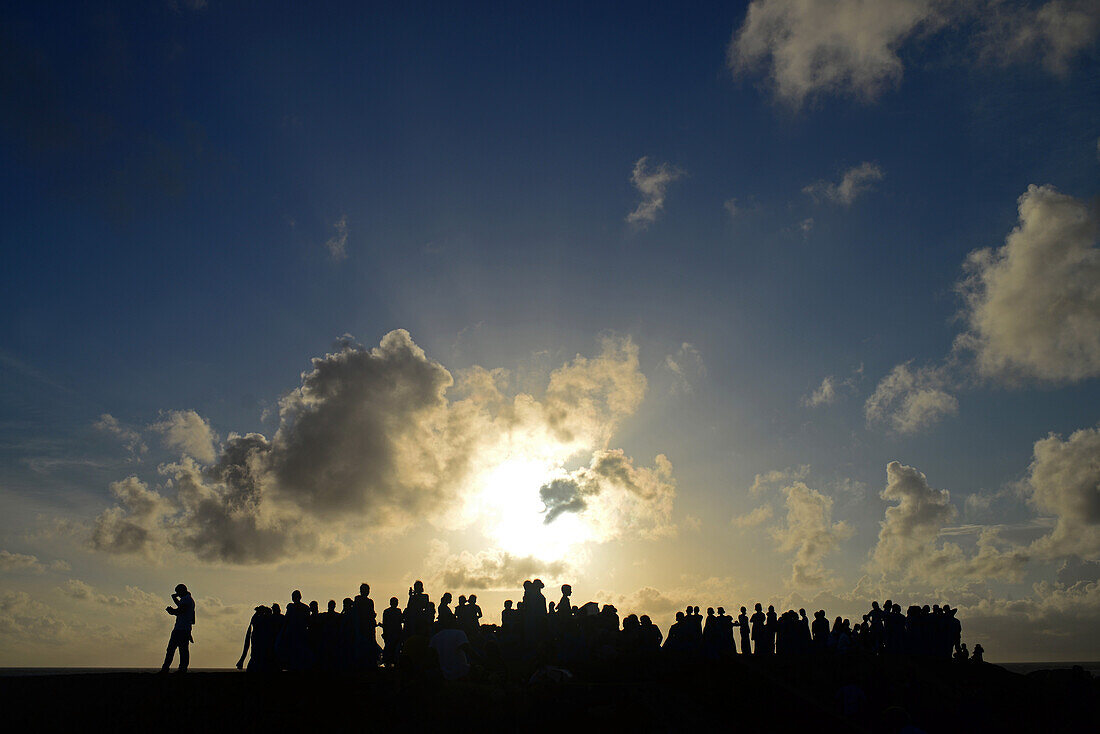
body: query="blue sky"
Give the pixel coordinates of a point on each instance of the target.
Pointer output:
(173, 176)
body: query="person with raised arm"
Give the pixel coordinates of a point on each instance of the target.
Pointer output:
(184, 612)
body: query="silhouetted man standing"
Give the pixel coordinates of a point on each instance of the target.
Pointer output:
(184, 612)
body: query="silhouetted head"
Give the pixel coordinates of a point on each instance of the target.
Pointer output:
(276, 609)
(507, 603)
(314, 607)
(743, 610)
(819, 614)
(472, 599)
(802, 612)
(446, 598)
(566, 589)
(688, 610)
(461, 601)
(537, 583)
(710, 611)
(757, 607)
(721, 611)
(393, 602)
(550, 607)
(874, 605)
(295, 596)
(332, 605)
(679, 616)
(348, 603)
(889, 604)
(181, 589)
(364, 589)
(695, 610)
(262, 610)
(418, 587)
(646, 621)
(527, 585)
(771, 609)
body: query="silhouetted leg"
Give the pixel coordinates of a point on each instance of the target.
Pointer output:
(185, 651)
(171, 653)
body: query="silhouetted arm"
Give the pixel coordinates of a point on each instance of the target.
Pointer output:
(247, 642)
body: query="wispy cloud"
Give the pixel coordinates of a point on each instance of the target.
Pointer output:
(652, 184)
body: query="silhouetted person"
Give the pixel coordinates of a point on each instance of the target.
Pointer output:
(330, 637)
(366, 644)
(509, 617)
(447, 620)
(820, 631)
(979, 654)
(759, 637)
(475, 617)
(292, 645)
(391, 632)
(184, 612)
(257, 636)
(415, 609)
(742, 625)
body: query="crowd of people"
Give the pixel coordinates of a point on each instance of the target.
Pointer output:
(449, 640)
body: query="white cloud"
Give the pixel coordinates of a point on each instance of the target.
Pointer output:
(809, 533)
(652, 184)
(824, 394)
(853, 182)
(731, 207)
(1053, 33)
(756, 516)
(806, 226)
(1064, 480)
(338, 244)
(189, 432)
(778, 477)
(850, 48)
(845, 47)
(25, 563)
(130, 438)
(1032, 307)
(908, 541)
(908, 400)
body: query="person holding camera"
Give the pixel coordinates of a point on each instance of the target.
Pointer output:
(184, 612)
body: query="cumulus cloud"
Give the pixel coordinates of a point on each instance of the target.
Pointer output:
(809, 533)
(850, 48)
(908, 548)
(130, 438)
(908, 400)
(371, 439)
(1032, 307)
(756, 516)
(188, 432)
(652, 184)
(853, 182)
(1064, 480)
(337, 244)
(844, 47)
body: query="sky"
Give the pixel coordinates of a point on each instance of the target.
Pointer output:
(784, 301)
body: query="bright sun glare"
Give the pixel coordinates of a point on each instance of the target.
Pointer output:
(514, 515)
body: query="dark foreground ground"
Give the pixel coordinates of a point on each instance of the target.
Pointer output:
(770, 695)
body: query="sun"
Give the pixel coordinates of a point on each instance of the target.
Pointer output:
(514, 516)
